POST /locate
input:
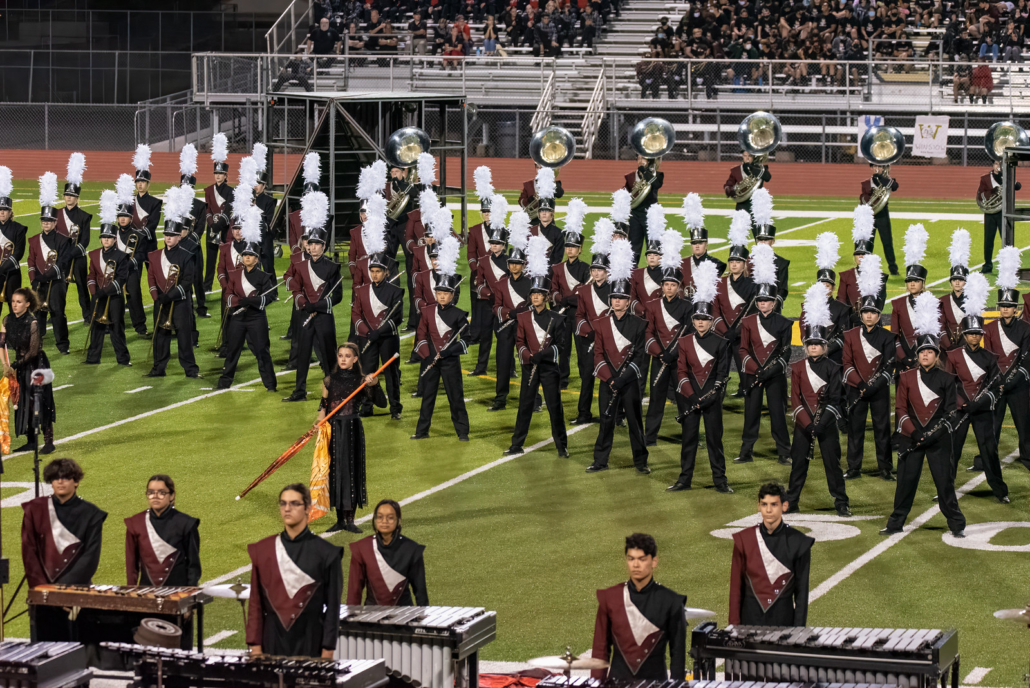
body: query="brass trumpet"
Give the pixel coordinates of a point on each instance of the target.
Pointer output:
(73, 234)
(173, 276)
(109, 269)
(51, 261)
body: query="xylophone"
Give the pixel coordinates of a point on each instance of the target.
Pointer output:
(585, 682)
(43, 665)
(155, 666)
(909, 658)
(428, 647)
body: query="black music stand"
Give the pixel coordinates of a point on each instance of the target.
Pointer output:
(1010, 214)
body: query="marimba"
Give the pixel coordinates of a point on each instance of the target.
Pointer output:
(43, 665)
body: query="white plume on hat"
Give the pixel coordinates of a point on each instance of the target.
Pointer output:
(870, 275)
(827, 251)
(177, 204)
(693, 211)
(1008, 268)
(376, 205)
(672, 248)
(428, 202)
(250, 225)
(381, 170)
(373, 233)
(862, 223)
(312, 168)
(188, 160)
(260, 155)
(763, 265)
(655, 222)
(620, 261)
(976, 292)
(220, 147)
(575, 214)
(916, 238)
(740, 227)
(314, 210)
(518, 230)
(537, 263)
(483, 178)
(426, 169)
(6, 181)
(621, 205)
(498, 211)
(141, 158)
(76, 166)
(544, 183)
(762, 207)
(603, 230)
(817, 306)
(108, 206)
(243, 194)
(371, 181)
(447, 257)
(926, 315)
(125, 187)
(959, 250)
(706, 282)
(48, 189)
(441, 223)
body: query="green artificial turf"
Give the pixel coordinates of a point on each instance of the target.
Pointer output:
(534, 536)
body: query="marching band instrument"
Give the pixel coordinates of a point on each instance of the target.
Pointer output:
(51, 261)
(567, 662)
(402, 150)
(759, 134)
(109, 269)
(5, 253)
(552, 147)
(73, 234)
(146, 599)
(883, 146)
(651, 138)
(131, 244)
(43, 664)
(173, 277)
(999, 136)
(1020, 615)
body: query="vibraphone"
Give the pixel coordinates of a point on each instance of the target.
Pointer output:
(909, 658)
(155, 666)
(43, 665)
(430, 647)
(585, 682)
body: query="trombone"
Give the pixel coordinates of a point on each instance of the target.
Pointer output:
(51, 261)
(173, 282)
(552, 147)
(651, 138)
(402, 150)
(109, 269)
(882, 146)
(759, 134)
(73, 234)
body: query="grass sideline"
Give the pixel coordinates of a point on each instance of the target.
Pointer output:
(532, 537)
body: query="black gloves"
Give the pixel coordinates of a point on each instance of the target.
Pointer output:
(670, 356)
(692, 401)
(623, 380)
(309, 308)
(165, 297)
(539, 356)
(373, 336)
(766, 373)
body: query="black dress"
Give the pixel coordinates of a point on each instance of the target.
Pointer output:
(24, 347)
(347, 446)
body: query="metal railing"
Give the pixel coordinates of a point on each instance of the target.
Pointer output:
(283, 36)
(542, 116)
(596, 110)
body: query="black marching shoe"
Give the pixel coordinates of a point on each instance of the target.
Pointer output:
(978, 466)
(417, 436)
(651, 443)
(1005, 500)
(365, 413)
(894, 270)
(395, 416)
(497, 407)
(564, 454)
(47, 448)
(582, 420)
(351, 527)
(153, 373)
(594, 468)
(477, 372)
(620, 422)
(678, 487)
(512, 451)
(959, 533)
(195, 376)
(844, 511)
(643, 470)
(739, 394)
(793, 509)
(724, 488)
(463, 438)
(888, 531)
(887, 476)
(744, 459)
(416, 395)
(853, 475)
(297, 395)
(784, 461)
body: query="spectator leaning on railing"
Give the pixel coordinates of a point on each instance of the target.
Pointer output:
(324, 41)
(419, 31)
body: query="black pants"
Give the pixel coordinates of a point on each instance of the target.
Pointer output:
(481, 309)
(882, 226)
(585, 364)
(79, 272)
(449, 369)
(12, 282)
(992, 226)
(251, 328)
(198, 284)
(115, 306)
(377, 354)
(409, 275)
(659, 395)
(182, 320)
(134, 299)
(565, 349)
(476, 322)
(938, 456)
(638, 226)
(546, 375)
(54, 293)
(1019, 405)
(267, 255)
(296, 320)
(211, 266)
(745, 205)
(879, 406)
(713, 442)
(829, 449)
(505, 361)
(987, 444)
(320, 335)
(627, 399)
(775, 392)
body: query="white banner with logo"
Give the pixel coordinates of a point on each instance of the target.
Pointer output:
(864, 122)
(930, 139)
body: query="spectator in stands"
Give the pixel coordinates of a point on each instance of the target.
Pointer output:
(297, 70)
(1013, 43)
(989, 48)
(649, 74)
(983, 20)
(705, 73)
(565, 22)
(962, 80)
(588, 31)
(675, 72)
(419, 31)
(547, 37)
(454, 47)
(440, 33)
(324, 41)
(529, 23)
(796, 71)
(355, 41)
(511, 20)
(982, 82)
(962, 46)
(388, 41)
(490, 36)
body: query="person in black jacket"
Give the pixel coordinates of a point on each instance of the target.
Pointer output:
(109, 271)
(170, 278)
(251, 290)
(403, 558)
(73, 222)
(646, 170)
(165, 551)
(12, 245)
(50, 257)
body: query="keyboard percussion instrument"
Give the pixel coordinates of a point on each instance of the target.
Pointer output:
(43, 665)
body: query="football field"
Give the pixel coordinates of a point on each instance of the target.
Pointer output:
(533, 536)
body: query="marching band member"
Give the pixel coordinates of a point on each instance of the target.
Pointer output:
(22, 336)
(162, 544)
(976, 369)
(735, 298)
(902, 307)
(620, 359)
(592, 304)
(73, 222)
(988, 197)
(754, 172)
(192, 239)
(218, 197)
(951, 304)
(668, 320)
(478, 247)
(868, 361)
(315, 291)
(765, 233)
(815, 394)
(545, 225)
(827, 253)
(398, 185)
(266, 202)
(439, 341)
(566, 276)
(771, 563)
(61, 535)
(641, 605)
(306, 623)
(297, 238)
(490, 269)
(170, 278)
(694, 216)
(386, 567)
(880, 185)
(250, 290)
(1009, 339)
(539, 331)
(847, 290)
(12, 239)
(703, 366)
(764, 354)
(50, 256)
(639, 214)
(371, 182)
(132, 242)
(511, 297)
(440, 221)
(109, 270)
(924, 409)
(230, 257)
(415, 233)
(146, 214)
(645, 283)
(530, 191)
(622, 208)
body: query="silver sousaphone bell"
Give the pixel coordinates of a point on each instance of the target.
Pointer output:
(402, 150)
(651, 138)
(1002, 135)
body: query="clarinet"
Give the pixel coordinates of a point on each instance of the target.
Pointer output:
(820, 409)
(714, 391)
(932, 434)
(618, 373)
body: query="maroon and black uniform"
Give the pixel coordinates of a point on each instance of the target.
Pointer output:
(620, 359)
(538, 351)
(764, 351)
(480, 327)
(251, 290)
(146, 218)
(162, 549)
(769, 576)
(645, 286)
(317, 287)
(703, 365)
(488, 273)
(386, 575)
(591, 304)
(882, 219)
(989, 183)
(841, 317)
(951, 309)
(847, 293)
(1010, 342)
(734, 301)
(529, 193)
(667, 321)
(565, 277)
(108, 297)
(691, 262)
(376, 317)
(12, 245)
(869, 356)
(355, 251)
(217, 201)
(635, 628)
(901, 326)
(511, 297)
(48, 281)
(76, 217)
(173, 299)
(439, 338)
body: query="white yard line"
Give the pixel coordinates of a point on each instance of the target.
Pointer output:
(975, 676)
(138, 389)
(218, 637)
(786, 231)
(62, 387)
(422, 495)
(82, 205)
